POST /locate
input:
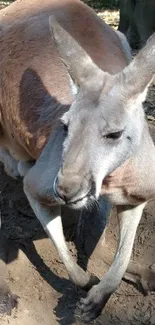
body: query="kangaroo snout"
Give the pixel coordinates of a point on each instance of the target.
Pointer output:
(66, 188)
(73, 190)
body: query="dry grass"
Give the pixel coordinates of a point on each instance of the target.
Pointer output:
(111, 17)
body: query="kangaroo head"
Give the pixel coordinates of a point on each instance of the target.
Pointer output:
(104, 124)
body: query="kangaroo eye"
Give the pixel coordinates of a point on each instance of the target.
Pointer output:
(114, 135)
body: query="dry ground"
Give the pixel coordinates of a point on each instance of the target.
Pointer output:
(37, 276)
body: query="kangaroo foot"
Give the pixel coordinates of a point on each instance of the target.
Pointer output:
(142, 277)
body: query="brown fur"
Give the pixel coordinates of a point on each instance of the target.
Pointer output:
(34, 84)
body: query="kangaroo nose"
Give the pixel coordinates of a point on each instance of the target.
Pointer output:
(65, 190)
(58, 190)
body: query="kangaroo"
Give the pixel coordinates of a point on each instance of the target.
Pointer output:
(36, 89)
(108, 149)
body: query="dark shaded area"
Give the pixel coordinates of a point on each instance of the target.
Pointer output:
(137, 21)
(90, 229)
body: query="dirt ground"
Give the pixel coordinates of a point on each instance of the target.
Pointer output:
(38, 277)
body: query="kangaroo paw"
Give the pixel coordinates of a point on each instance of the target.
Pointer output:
(93, 281)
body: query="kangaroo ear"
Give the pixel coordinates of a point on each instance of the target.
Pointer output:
(80, 66)
(137, 76)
